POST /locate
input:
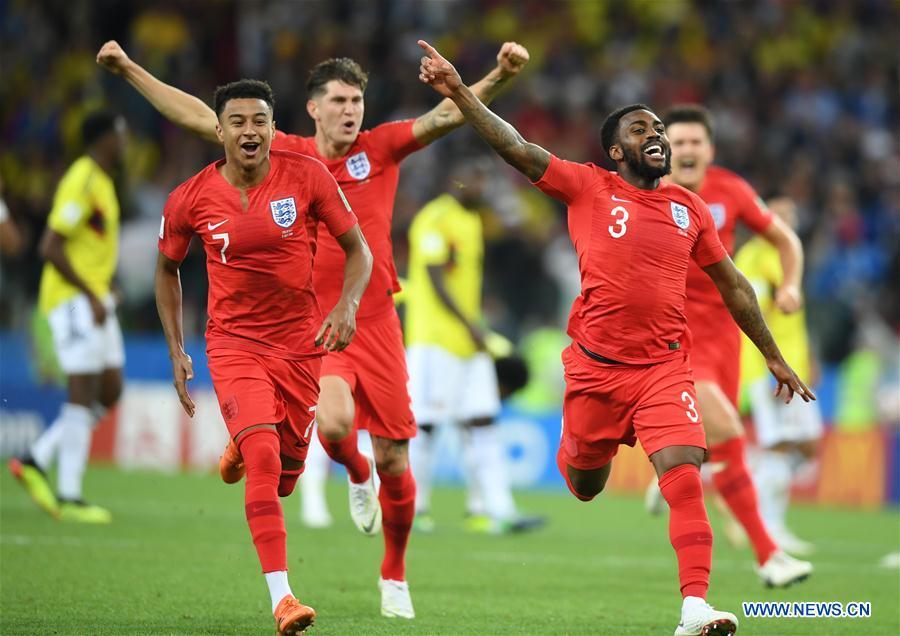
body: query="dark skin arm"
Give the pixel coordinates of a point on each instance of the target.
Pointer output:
(528, 158)
(446, 116)
(436, 275)
(168, 303)
(741, 301)
(339, 326)
(52, 249)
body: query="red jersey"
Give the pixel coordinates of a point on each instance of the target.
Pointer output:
(633, 249)
(259, 261)
(729, 198)
(368, 176)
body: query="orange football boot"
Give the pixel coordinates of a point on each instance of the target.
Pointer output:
(231, 464)
(292, 617)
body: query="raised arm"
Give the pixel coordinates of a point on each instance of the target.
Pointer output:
(788, 297)
(529, 159)
(444, 117)
(339, 326)
(168, 303)
(179, 107)
(741, 301)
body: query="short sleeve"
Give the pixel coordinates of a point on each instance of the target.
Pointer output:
(752, 211)
(395, 139)
(175, 231)
(708, 249)
(328, 201)
(70, 205)
(564, 180)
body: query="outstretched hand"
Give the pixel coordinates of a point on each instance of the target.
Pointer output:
(788, 382)
(112, 57)
(438, 72)
(512, 58)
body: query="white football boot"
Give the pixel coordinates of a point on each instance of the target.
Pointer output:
(365, 509)
(781, 570)
(395, 599)
(698, 618)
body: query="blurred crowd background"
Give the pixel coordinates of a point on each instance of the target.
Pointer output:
(806, 99)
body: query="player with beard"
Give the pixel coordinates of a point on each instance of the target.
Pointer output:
(364, 385)
(716, 339)
(628, 376)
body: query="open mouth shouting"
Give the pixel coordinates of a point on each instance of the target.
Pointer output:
(654, 150)
(250, 149)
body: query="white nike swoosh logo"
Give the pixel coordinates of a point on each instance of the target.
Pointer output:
(211, 227)
(615, 198)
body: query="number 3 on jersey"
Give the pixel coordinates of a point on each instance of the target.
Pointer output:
(618, 228)
(691, 411)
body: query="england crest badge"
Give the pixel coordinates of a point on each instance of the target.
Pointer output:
(284, 211)
(358, 166)
(680, 216)
(718, 214)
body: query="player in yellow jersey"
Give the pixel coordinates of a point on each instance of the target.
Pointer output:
(452, 377)
(81, 246)
(786, 433)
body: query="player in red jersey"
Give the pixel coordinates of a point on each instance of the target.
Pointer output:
(716, 346)
(627, 375)
(366, 384)
(258, 214)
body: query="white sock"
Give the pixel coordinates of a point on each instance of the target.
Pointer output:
(773, 483)
(474, 491)
(278, 586)
(312, 482)
(420, 462)
(43, 451)
(490, 465)
(77, 424)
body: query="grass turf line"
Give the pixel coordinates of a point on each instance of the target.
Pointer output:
(178, 560)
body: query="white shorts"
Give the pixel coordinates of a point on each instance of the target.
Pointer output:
(447, 388)
(777, 422)
(82, 346)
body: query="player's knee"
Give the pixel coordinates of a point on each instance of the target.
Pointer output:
(585, 488)
(391, 456)
(260, 450)
(334, 424)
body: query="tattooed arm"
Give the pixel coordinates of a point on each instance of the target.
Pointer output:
(529, 159)
(444, 117)
(741, 301)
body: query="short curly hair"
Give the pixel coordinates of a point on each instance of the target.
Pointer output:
(610, 129)
(243, 89)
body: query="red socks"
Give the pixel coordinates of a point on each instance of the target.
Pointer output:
(346, 452)
(689, 529)
(260, 450)
(734, 484)
(398, 506)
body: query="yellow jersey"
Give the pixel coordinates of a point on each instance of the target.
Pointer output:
(759, 261)
(447, 234)
(86, 212)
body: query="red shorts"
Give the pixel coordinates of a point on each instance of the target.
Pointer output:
(374, 365)
(715, 348)
(610, 404)
(255, 389)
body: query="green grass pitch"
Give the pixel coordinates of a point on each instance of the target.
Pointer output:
(178, 560)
